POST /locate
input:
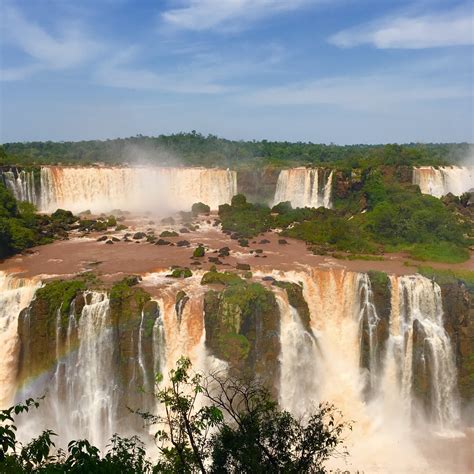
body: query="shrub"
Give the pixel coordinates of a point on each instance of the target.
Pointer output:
(199, 251)
(200, 208)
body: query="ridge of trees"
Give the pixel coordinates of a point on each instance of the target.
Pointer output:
(195, 149)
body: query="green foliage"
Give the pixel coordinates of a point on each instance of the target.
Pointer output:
(222, 278)
(195, 149)
(375, 190)
(282, 208)
(334, 232)
(200, 208)
(169, 233)
(124, 455)
(63, 216)
(180, 273)
(199, 251)
(111, 221)
(444, 276)
(59, 294)
(209, 424)
(247, 219)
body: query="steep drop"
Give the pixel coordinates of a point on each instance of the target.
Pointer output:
(305, 187)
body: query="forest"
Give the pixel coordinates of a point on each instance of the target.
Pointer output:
(195, 149)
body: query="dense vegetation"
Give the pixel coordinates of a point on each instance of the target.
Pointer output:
(196, 149)
(239, 428)
(21, 227)
(379, 216)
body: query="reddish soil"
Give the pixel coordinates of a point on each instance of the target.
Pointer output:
(84, 253)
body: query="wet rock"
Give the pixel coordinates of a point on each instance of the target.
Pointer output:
(139, 235)
(183, 243)
(110, 242)
(243, 242)
(243, 266)
(169, 233)
(162, 242)
(282, 241)
(103, 238)
(224, 252)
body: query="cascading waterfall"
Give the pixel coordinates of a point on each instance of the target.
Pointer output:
(444, 179)
(102, 189)
(418, 340)
(81, 394)
(136, 189)
(299, 358)
(368, 320)
(22, 184)
(342, 309)
(305, 187)
(340, 355)
(15, 295)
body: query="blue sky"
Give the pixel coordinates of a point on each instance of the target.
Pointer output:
(342, 71)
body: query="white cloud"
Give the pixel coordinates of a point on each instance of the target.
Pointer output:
(69, 48)
(119, 72)
(452, 28)
(200, 15)
(370, 92)
(201, 73)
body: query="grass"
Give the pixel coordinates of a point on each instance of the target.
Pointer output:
(444, 276)
(438, 252)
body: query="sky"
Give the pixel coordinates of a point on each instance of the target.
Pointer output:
(325, 71)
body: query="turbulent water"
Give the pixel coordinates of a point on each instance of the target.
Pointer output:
(347, 354)
(444, 179)
(102, 189)
(15, 295)
(305, 187)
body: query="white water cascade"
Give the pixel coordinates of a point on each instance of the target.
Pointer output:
(22, 184)
(81, 396)
(15, 295)
(383, 437)
(444, 179)
(319, 362)
(416, 330)
(299, 361)
(305, 187)
(102, 189)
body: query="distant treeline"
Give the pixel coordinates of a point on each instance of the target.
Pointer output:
(195, 149)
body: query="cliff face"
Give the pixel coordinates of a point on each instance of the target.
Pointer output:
(258, 185)
(242, 327)
(458, 305)
(69, 325)
(70, 333)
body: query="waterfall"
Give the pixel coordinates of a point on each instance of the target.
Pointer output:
(102, 189)
(304, 187)
(397, 385)
(15, 295)
(81, 392)
(418, 340)
(22, 184)
(299, 356)
(368, 320)
(444, 179)
(350, 359)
